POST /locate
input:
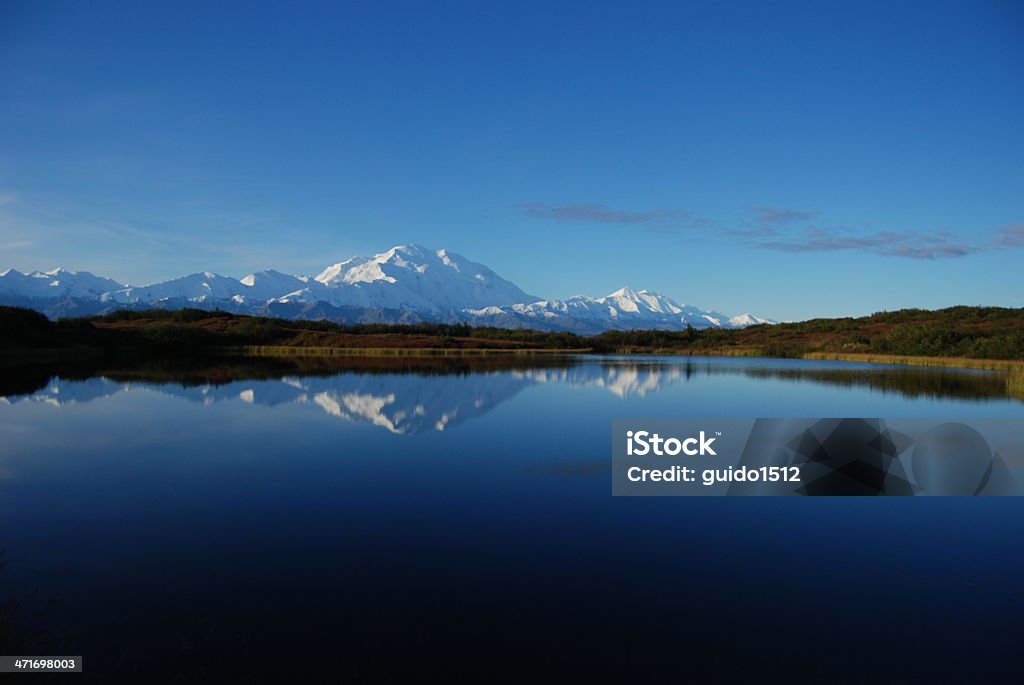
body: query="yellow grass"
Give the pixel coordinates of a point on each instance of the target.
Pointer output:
(703, 352)
(1007, 365)
(294, 351)
(1015, 385)
(1014, 370)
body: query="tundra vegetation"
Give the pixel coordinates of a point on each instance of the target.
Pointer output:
(952, 336)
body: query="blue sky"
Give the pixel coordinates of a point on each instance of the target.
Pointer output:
(787, 158)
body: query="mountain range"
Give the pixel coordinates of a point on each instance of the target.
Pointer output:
(406, 284)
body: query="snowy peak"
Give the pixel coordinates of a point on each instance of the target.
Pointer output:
(56, 283)
(626, 292)
(629, 300)
(370, 269)
(416, 277)
(271, 284)
(335, 274)
(748, 319)
(198, 287)
(386, 265)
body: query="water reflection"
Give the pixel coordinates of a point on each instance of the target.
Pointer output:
(620, 377)
(221, 513)
(408, 396)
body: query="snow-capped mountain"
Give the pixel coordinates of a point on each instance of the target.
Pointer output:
(748, 319)
(199, 287)
(408, 283)
(270, 284)
(413, 277)
(56, 283)
(623, 309)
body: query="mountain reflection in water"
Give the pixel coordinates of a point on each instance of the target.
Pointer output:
(408, 396)
(378, 519)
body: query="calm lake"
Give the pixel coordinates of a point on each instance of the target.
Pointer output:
(386, 519)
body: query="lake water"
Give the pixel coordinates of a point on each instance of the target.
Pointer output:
(286, 519)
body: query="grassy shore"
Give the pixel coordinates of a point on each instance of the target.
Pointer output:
(292, 351)
(692, 352)
(1014, 370)
(1006, 365)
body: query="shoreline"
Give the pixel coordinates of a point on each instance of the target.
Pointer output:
(299, 351)
(15, 356)
(966, 363)
(1004, 365)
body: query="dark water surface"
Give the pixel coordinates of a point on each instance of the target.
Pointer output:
(289, 520)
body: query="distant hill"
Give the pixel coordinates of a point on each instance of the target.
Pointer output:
(973, 332)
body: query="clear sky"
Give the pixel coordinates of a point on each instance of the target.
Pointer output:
(787, 158)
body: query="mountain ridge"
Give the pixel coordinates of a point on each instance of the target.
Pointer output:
(408, 283)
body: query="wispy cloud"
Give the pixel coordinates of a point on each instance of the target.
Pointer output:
(780, 216)
(784, 229)
(593, 212)
(763, 221)
(17, 245)
(909, 244)
(1009, 236)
